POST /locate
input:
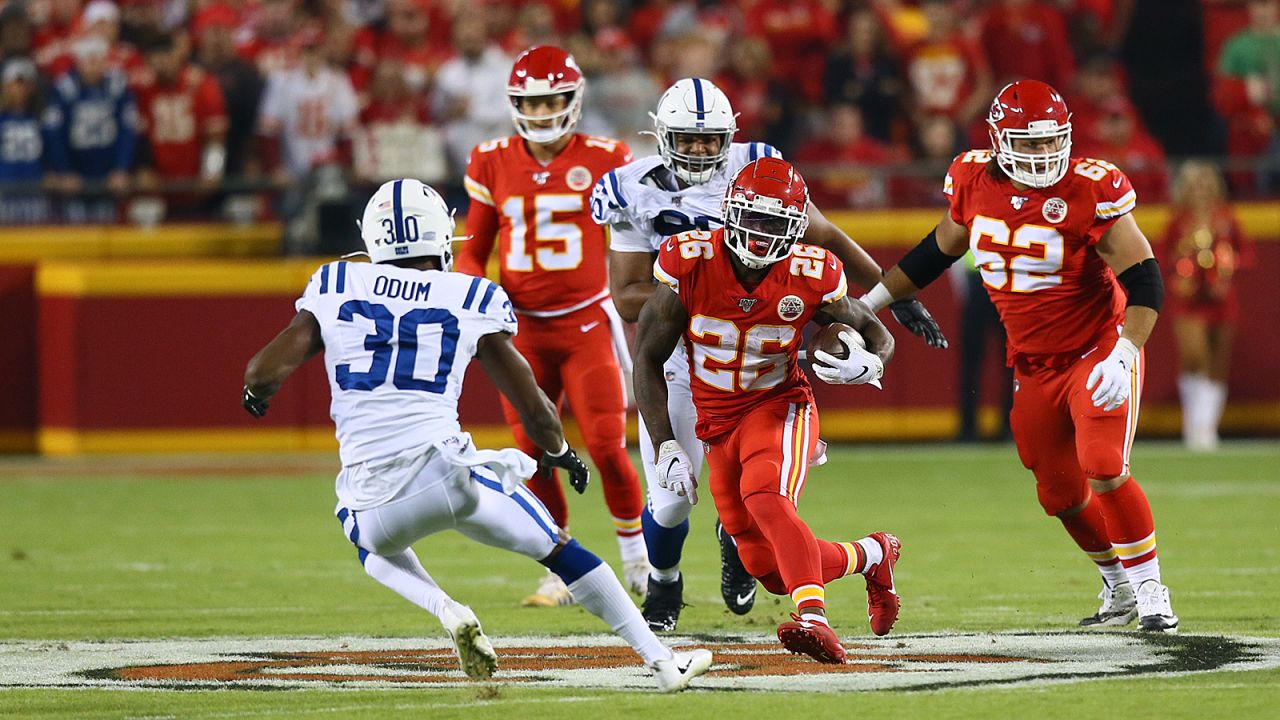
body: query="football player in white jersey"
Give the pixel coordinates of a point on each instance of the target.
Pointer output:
(397, 336)
(643, 203)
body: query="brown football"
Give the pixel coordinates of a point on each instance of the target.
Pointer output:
(828, 339)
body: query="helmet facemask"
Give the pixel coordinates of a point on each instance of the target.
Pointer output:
(562, 121)
(693, 169)
(1038, 170)
(763, 230)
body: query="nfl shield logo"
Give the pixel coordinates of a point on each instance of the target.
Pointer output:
(747, 303)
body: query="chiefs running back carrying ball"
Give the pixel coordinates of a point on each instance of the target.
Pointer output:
(739, 298)
(1078, 291)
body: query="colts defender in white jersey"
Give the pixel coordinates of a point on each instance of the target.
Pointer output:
(643, 203)
(397, 335)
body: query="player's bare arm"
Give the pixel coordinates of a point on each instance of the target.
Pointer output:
(944, 245)
(662, 321)
(511, 374)
(296, 344)
(630, 282)
(862, 270)
(1128, 253)
(858, 316)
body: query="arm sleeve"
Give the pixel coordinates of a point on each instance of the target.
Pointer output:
(834, 285)
(1114, 197)
(482, 219)
(666, 269)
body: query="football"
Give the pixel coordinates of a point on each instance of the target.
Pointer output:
(828, 340)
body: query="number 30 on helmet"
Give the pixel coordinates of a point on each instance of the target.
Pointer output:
(1030, 110)
(407, 219)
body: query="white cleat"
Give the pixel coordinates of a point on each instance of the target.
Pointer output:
(1155, 613)
(1119, 607)
(635, 575)
(674, 675)
(475, 653)
(551, 592)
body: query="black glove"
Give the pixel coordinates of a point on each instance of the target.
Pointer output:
(253, 404)
(914, 317)
(569, 462)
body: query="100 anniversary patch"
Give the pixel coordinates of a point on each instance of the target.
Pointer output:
(909, 662)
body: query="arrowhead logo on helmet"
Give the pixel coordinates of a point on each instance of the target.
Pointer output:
(765, 210)
(1030, 131)
(541, 71)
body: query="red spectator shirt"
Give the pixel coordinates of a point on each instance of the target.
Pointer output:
(553, 256)
(1029, 41)
(179, 118)
(1034, 250)
(943, 74)
(742, 345)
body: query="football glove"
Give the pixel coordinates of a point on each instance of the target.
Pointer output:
(568, 461)
(675, 472)
(912, 315)
(860, 368)
(1113, 376)
(253, 404)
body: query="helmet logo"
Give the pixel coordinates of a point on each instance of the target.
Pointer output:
(790, 308)
(1054, 210)
(578, 178)
(997, 112)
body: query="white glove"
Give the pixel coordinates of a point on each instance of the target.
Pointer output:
(1113, 376)
(675, 472)
(860, 368)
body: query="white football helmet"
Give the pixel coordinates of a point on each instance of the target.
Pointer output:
(407, 219)
(693, 105)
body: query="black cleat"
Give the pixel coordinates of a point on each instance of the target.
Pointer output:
(662, 603)
(737, 587)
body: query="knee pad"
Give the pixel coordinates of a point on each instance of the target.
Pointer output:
(1101, 460)
(1059, 492)
(773, 583)
(572, 562)
(669, 509)
(758, 560)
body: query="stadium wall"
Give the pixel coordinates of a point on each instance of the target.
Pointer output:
(148, 354)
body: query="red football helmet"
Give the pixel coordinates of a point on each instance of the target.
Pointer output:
(765, 211)
(1026, 110)
(545, 70)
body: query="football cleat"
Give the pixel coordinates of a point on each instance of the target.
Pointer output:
(737, 586)
(674, 675)
(1119, 607)
(551, 592)
(883, 602)
(636, 575)
(475, 653)
(662, 603)
(813, 639)
(1155, 613)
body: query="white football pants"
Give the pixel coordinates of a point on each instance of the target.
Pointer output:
(668, 508)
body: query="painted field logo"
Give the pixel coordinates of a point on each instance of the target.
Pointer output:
(909, 662)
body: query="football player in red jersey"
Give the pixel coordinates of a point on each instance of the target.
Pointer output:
(739, 298)
(532, 191)
(1078, 291)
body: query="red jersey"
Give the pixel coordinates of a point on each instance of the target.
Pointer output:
(179, 118)
(1034, 249)
(553, 256)
(742, 345)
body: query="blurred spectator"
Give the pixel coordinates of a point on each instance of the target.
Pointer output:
(470, 96)
(862, 70)
(1091, 25)
(905, 23)
(102, 18)
(696, 55)
(621, 94)
(408, 21)
(238, 79)
(17, 37)
(310, 110)
(797, 33)
(142, 22)
(394, 139)
(20, 144)
(842, 165)
(936, 144)
(1202, 250)
(184, 125)
(1027, 39)
(758, 99)
(270, 44)
(1120, 140)
(1248, 92)
(1097, 84)
(91, 130)
(948, 73)
(55, 22)
(535, 24)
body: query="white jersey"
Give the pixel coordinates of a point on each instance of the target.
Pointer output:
(309, 112)
(643, 205)
(397, 342)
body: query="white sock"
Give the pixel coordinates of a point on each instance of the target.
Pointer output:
(875, 553)
(1216, 392)
(668, 575)
(406, 576)
(632, 546)
(1113, 574)
(814, 618)
(602, 595)
(1149, 570)
(1188, 386)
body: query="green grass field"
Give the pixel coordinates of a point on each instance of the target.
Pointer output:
(237, 546)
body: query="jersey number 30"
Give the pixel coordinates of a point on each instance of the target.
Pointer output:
(384, 327)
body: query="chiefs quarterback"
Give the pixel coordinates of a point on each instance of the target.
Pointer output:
(1078, 290)
(531, 191)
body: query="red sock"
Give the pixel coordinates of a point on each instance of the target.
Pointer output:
(840, 559)
(549, 491)
(1089, 529)
(1129, 523)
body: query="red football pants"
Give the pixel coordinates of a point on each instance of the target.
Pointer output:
(572, 358)
(1061, 437)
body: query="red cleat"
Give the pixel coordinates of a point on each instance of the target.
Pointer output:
(813, 639)
(882, 599)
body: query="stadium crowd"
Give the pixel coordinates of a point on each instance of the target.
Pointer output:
(200, 100)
